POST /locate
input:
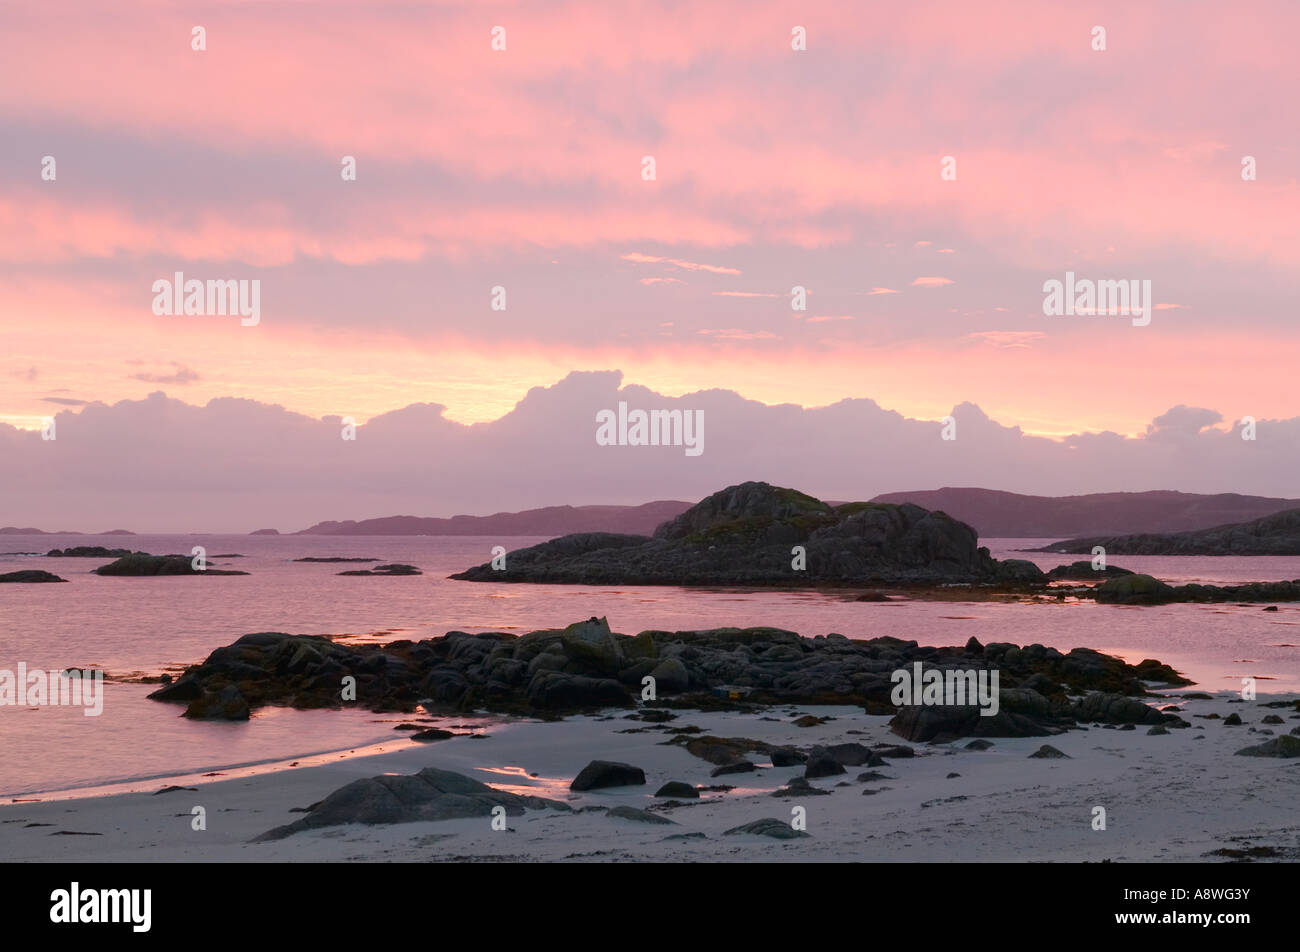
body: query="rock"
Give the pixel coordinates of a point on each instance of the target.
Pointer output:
(799, 787)
(396, 568)
(654, 716)
(554, 672)
(671, 676)
(1277, 534)
(942, 723)
(30, 575)
(777, 829)
(788, 757)
(822, 765)
(740, 766)
(1284, 746)
(1116, 709)
(1232, 720)
(1271, 719)
(872, 775)
(226, 705)
(1084, 572)
(606, 773)
(1048, 752)
(89, 552)
(334, 559)
(549, 690)
(895, 752)
(721, 750)
(640, 816)
(1134, 590)
(850, 755)
(431, 794)
(186, 688)
(432, 734)
(679, 790)
(809, 720)
(952, 776)
(979, 744)
(591, 643)
(1154, 731)
(742, 535)
(139, 563)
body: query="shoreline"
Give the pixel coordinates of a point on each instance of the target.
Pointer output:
(1003, 806)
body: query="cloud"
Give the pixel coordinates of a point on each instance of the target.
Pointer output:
(639, 258)
(931, 282)
(180, 375)
(30, 374)
(735, 333)
(1009, 338)
(66, 401)
(153, 463)
(1182, 422)
(748, 294)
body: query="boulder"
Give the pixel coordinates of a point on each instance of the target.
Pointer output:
(1048, 752)
(225, 705)
(1284, 746)
(600, 774)
(822, 765)
(550, 690)
(671, 676)
(431, 794)
(678, 790)
(777, 829)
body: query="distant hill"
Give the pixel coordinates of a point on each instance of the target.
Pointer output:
(549, 521)
(995, 514)
(1278, 534)
(14, 530)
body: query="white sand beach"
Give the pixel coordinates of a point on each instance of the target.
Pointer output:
(1174, 797)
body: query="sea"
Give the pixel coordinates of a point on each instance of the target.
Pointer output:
(133, 627)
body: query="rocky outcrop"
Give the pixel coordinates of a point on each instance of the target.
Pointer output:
(1084, 572)
(140, 563)
(431, 794)
(747, 534)
(1278, 534)
(89, 552)
(30, 575)
(1023, 712)
(586, 666)
(1145, 590)
(396, 568)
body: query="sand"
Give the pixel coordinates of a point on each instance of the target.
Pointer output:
(1167, 798)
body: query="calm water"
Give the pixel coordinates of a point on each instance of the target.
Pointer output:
(142, 625)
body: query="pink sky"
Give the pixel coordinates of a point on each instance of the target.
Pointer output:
(775, 168)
